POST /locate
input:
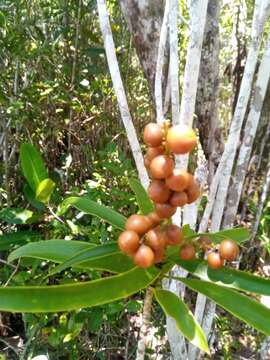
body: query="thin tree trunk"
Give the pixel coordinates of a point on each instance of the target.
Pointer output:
(198, 9)
(120, 92)
(142, 344)
(249, 136)
(265, 190)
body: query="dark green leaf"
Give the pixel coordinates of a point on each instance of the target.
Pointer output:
(145, 204)
(19, 237)
(94, 253)
(32, 165)
(60, 251)
(185, 321)
(36, 299)
(225, 276)
(90, 207)
(241, 306)
(31, 198)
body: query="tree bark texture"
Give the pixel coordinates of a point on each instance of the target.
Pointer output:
(208, 123)
(144, 20)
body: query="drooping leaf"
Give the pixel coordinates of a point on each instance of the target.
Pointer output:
(226, 276)
(17, 216)
(44, 190)
(37, 299)
(60, 251)
(145, 204)
(91, 207)
(241, 306)
(94, 253)
(32, 165)
(19, 237)
(185, 321)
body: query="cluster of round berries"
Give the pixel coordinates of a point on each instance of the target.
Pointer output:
(146, 237)
(227, 250)
(146, 240)
(170, 187)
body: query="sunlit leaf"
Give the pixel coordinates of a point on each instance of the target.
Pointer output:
(145, 204)
(174, 307)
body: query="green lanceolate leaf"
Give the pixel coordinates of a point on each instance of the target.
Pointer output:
(36, 299)
(94, 253)
(145, 204)
(32, 165)
(241, 306)
(238, 234)
(19, 237)
(225, 276)
(91, 207)
(185, 321)
(17, 216)
(60, 251)
(44, 190)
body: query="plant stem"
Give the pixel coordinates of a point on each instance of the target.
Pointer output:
(145, 324)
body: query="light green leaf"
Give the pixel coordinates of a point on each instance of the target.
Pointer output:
(17, 216)
(185, 321)
(91, 207)
(94, 253)
(226, 276)
(44, 190)
(188, 232)
(241, 306)
(54, 298)
(19, 237)
(60, 251)
(32, 165)
(145, 204)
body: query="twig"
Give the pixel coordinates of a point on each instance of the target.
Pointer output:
(145, 324)
(10, 346)
(13, 273)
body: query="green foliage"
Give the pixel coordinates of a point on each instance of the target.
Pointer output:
(90, 207)
(32, 166)
(62, 251)
(241, 306)
(185, 321)
(236, 279)
(145, 204)
(36, 299)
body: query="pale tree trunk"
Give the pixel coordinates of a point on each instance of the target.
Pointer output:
(220, 183)
(198, 11)
(249, 136)
(208, 122)
(160, 64)
(120, 92)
